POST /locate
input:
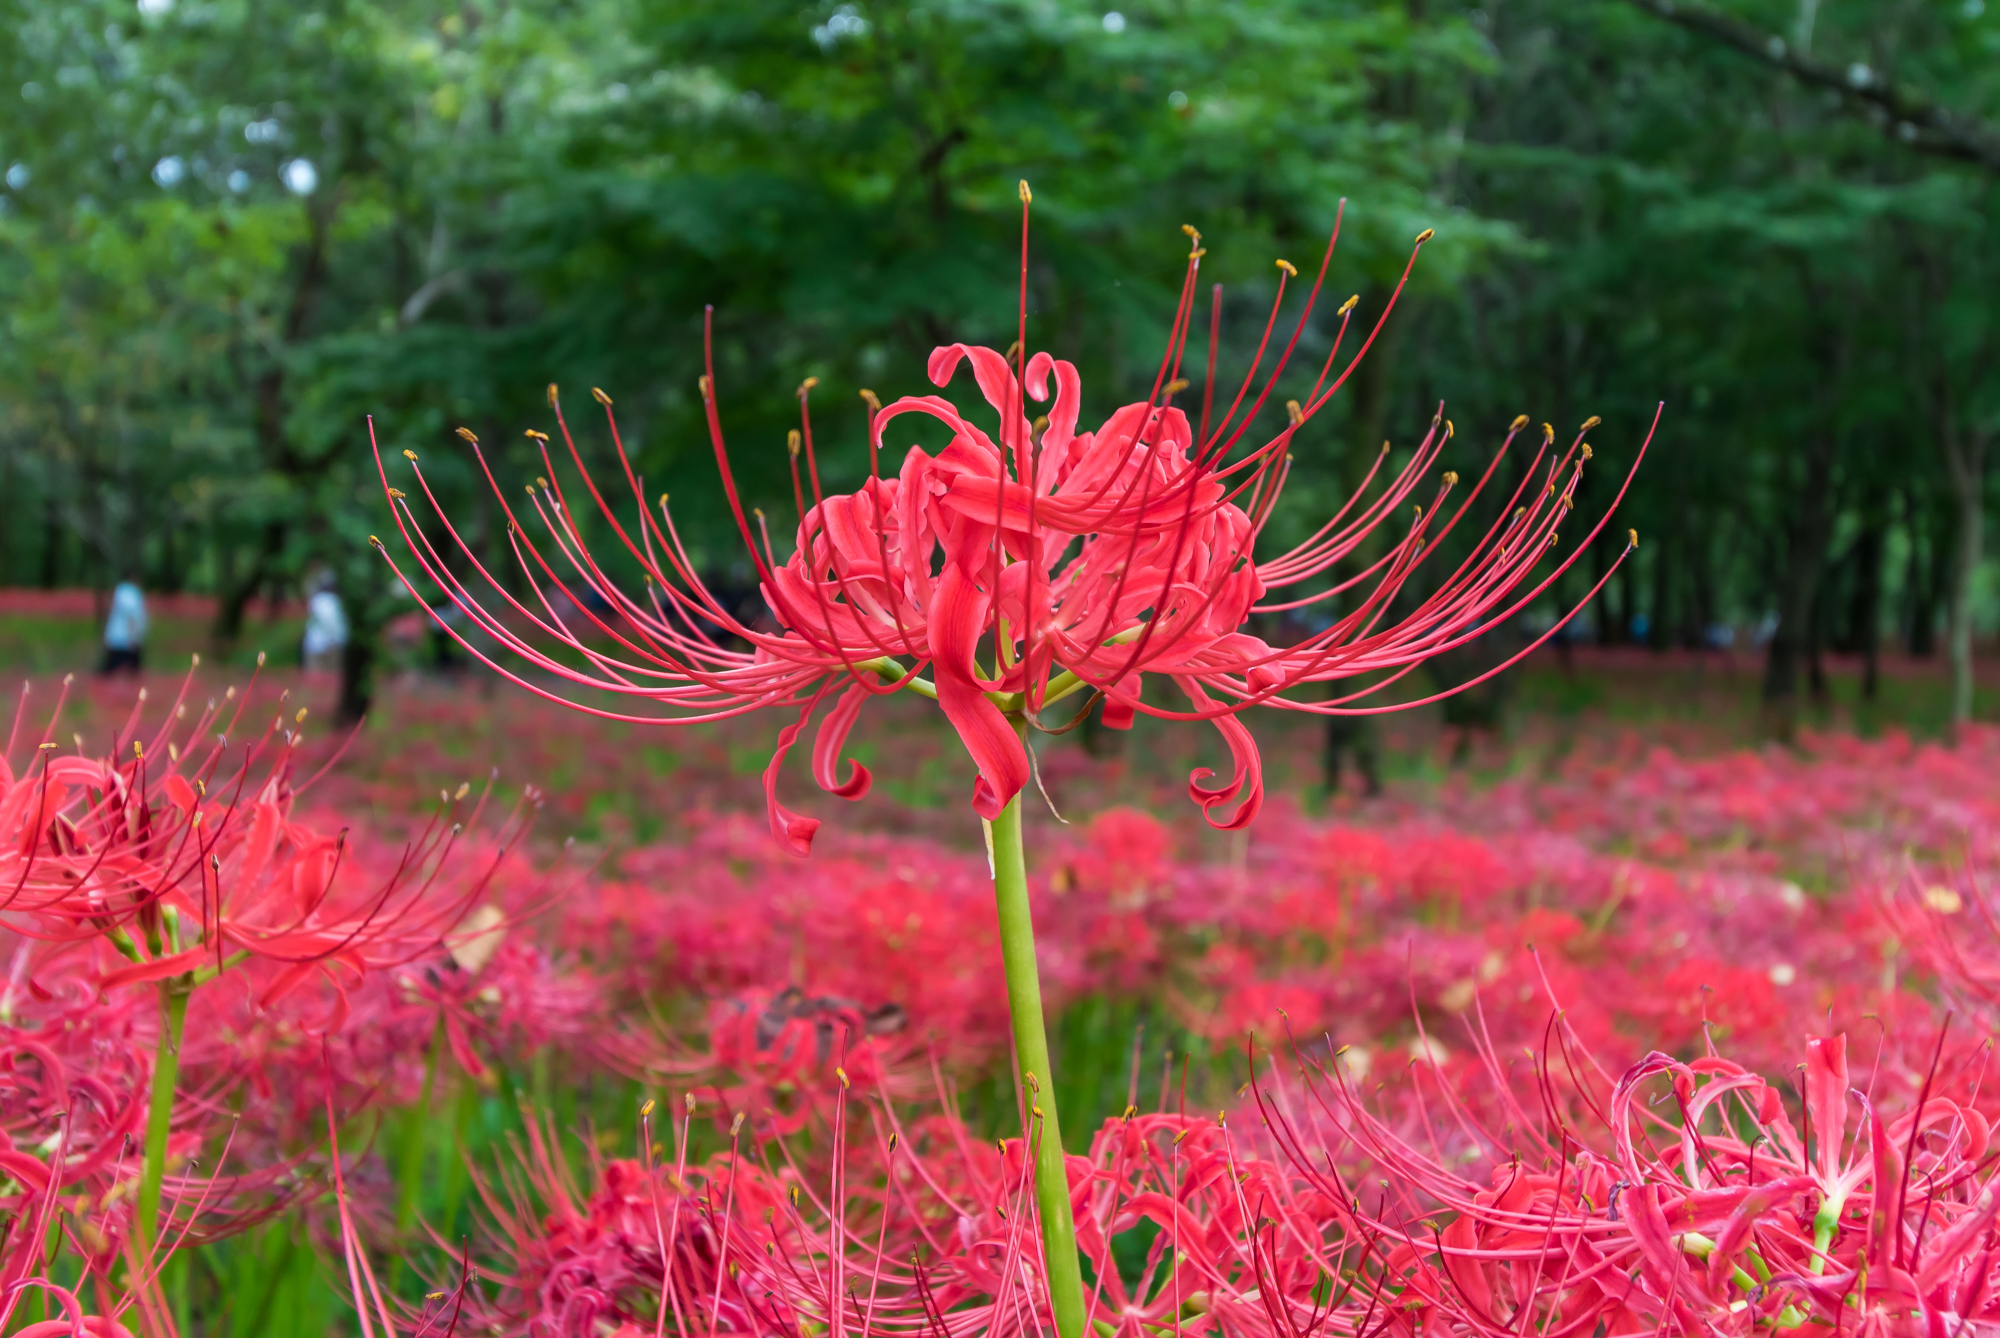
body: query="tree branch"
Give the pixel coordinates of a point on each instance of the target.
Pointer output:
(1925, 125)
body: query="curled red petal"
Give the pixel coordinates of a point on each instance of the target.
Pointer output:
(1248, 780)
(957, 616)
(832, 737)
(793, 830)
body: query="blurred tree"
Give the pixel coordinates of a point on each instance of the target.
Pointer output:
(233, 228)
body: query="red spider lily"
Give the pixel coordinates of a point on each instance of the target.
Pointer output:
(1675, 1213)
(185, 867)
(1952, 927)
(1718, 1203)
(1085, 561)
(76, 1072)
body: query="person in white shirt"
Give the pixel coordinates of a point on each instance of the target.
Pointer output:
(125, 630)
(326, 630)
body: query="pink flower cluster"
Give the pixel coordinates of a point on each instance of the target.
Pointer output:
(1427, 1136)
(1686, 1193)
(310, 965)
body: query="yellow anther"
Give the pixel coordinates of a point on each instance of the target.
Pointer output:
(1634, 536)
(1451, 478)
(874, 403)
(1349, 305)
(841, 1074)
(410, 455)
(792, 443)
(464, 787)
(536, 436)
(373, 540)
(138, 750)
(1130, 1111)
(688, 1101)
(1548, 434)
(1291, 270)
(1518, 423)
(600, 397)
(1385, 448)
(646, 1109)
(552, 394)
(528, 488)
(1294, 412)
(1586, 450)
(1590, 423)
(300, 718)
(707, 386)
(1177, 385)
(397, 494)
(808, 384)
(1191, 231)
(541, 483)
(466, 432)
(1426, 235)
(663, 501)
(1026, 194)
(736, 1125)
(1448, 429)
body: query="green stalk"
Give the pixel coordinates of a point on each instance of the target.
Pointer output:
(410, 1157)
(160, 1107)
(1031, 1044)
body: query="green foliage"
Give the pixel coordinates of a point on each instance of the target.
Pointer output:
(1629, 212)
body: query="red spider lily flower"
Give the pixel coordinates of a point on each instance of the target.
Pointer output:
(1671, 1212)
(185, 867)
(1083, 560)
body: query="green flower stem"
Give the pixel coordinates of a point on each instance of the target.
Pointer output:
(160, 1107)
(1031, 1044)
(410, 1157)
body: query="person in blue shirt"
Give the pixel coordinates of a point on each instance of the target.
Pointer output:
(125, 630)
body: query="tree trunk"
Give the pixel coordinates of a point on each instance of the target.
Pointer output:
(1660, 621)
(236, 595)
(1864, 619)
(1965, 466)
(357, 673)
(1919, 580)
(52, 538)
(1798, 583)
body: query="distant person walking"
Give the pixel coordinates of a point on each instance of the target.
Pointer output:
(125, 630)
(326, 630)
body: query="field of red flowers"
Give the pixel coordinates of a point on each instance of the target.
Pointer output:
(493, 1020)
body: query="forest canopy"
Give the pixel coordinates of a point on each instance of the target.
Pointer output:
(231, 230)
